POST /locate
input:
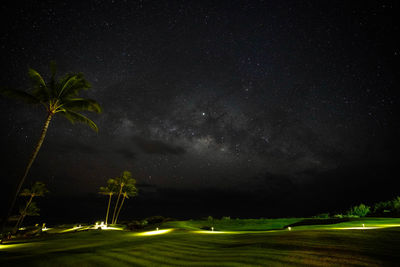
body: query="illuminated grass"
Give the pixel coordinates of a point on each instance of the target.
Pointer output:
(188, 247)
(157, 232)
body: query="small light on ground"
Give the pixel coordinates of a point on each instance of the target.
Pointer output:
(212, 228)
(289, 228)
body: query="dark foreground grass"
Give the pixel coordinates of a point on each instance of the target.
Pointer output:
(182, 247)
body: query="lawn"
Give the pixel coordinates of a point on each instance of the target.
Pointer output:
(236, 243)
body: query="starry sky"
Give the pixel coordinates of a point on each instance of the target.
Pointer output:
(241, 108)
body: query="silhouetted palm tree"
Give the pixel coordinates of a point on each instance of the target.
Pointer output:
(58, 97)
(125, 179)
(31, 210)
(128, 191)
(109, 190)
(38, 189)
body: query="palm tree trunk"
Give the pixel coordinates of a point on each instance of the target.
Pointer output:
(108, 208)
(21, 218)
(28, 167)
(116, 205)
(17, 224)
(122, 203)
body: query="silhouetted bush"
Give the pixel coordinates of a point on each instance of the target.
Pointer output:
(358, 211)
(134, 225)
(396, 205)
(389, 208)
(155, 220)
(383, 208)
(322, 216)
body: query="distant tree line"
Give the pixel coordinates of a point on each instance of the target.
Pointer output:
(390, 208)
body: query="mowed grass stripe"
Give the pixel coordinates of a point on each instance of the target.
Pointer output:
(213, 255)
(172, 258)
(177, 254)
(199, 251)
(127, 258)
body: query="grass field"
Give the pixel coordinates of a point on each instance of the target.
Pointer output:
(236, 243)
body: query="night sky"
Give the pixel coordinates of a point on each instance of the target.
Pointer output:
(222, 108)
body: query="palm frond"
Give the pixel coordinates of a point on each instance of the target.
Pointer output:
(32, 210)
(39, 189)
(21, 95)
(72, 85)
(64, 87)
(74, 117)
(25, 192)
(36, 77)
(104, 190)
(82, 104)
(40, 89)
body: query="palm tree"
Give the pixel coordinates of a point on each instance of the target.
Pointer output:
(129, 191)
(125, 179)
(31, 210)
(108, 190)
(58, 97)
(38, 189)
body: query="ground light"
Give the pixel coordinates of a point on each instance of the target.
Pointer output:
(12, 246)
(215, 232)
(156, 232)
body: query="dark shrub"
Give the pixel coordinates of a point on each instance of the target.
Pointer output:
(135, 225)
(155, 220)
(359, 211)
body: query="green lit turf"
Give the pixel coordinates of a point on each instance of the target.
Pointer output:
(234, 224)
(315, 245)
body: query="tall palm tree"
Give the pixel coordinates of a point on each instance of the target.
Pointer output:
(129, 191)
(125, 179)
(31, 210)
(109, 190)
(58, 96)
(38, 189)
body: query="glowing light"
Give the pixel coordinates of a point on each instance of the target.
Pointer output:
(157, 229)
(158, 232)
(71, 229)
(215, 232)
(376, 226)
(12, 246)
(289, 228)
(203, 113)
(212, 228)
(357, 228)
(105, 227)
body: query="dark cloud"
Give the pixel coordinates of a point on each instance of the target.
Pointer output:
(73, 147)
(126, 153)
(149, 146)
